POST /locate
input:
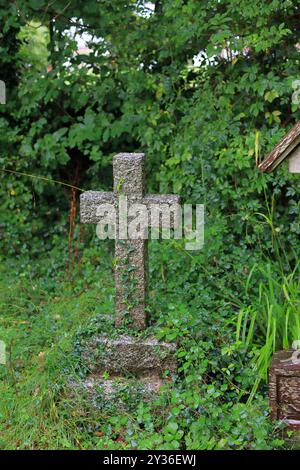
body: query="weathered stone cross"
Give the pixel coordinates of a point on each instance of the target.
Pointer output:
(131, 254)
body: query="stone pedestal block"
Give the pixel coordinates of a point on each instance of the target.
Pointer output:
(124, 354)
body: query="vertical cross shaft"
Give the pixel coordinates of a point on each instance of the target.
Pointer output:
(131, 255)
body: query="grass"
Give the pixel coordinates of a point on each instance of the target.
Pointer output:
(41, 319)
(37, 323)
(274, 319)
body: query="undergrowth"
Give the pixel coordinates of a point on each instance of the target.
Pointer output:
(203, 406)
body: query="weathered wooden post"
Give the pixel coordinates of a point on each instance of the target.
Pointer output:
(288, 147)
(284, 376)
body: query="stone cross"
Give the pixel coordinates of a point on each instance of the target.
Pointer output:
(131, 267)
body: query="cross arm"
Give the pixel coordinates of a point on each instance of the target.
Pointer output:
(89, 201)
(169, 199)
(168, 205)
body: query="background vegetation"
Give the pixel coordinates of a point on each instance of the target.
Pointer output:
(204, 89)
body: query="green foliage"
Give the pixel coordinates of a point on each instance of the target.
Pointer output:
(205, 90)
(43, 321)
(202, 127)
(275, 316)
(33, 52)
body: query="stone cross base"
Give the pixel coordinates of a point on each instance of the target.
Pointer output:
(116, 361)
(122, 393)
(125, 355)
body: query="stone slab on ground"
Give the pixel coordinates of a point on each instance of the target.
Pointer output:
(117, 393)
(104, 389)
